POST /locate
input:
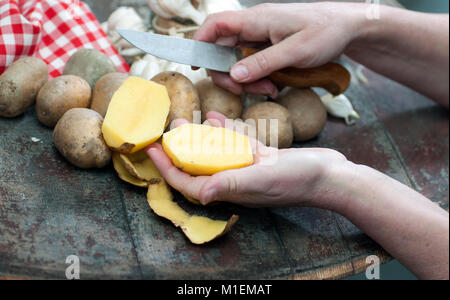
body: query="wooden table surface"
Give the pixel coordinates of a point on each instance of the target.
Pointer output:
(50, 210)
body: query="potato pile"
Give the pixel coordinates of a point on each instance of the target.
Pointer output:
(98, 115)
(64, 103)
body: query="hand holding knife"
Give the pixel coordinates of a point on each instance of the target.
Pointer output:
(332, 76)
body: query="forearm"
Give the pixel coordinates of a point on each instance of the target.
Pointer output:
(408, 225)
(409, 47)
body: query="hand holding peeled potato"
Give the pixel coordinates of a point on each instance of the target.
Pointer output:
(400, 46)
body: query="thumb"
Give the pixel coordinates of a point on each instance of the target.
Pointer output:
(220, 187)
(298, 50)
(232, 185)
(265, 62)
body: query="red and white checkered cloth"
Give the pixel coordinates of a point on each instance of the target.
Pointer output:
(51, 30)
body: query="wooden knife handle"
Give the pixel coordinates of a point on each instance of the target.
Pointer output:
(332, 76)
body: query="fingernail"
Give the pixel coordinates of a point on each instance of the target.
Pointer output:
(271, 92)
(209, 197)
(274, 93)
(239, 73)
(150, 151)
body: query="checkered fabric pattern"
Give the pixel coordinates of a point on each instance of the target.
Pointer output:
(51, 30)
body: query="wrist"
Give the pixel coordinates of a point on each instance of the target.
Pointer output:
(340, 185)
(370, 22)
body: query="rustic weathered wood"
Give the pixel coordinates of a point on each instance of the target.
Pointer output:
(49, 209)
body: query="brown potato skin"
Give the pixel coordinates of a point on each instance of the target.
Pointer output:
(78, 137)
(214, 98)
(271, 110)
(184, 98)
(104, 91)
(308, 113)
(20, 84)
(59, 95)
(89, 64)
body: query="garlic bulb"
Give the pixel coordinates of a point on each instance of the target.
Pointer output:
(209, 7)
(124, 18)
(177, 8)
(184, 9)
(150, 66)
(340, 107)
(158, 10)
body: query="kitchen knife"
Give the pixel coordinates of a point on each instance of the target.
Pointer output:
(332, 77)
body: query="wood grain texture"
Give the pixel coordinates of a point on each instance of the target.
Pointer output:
(49, 209)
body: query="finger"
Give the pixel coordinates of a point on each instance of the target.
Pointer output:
(224, 81)
(227, 41)
(214, 123)
(265, 62)
(217, 118)
(232, 184)
(233, 23)
(177, 123)
(263, 87)
(177, 179)
(217, 26)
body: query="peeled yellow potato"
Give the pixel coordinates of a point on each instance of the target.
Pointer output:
(205, 150)
(137, 115)
(199, 230)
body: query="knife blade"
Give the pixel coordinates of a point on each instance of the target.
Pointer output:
(332, 77)
(187, 52)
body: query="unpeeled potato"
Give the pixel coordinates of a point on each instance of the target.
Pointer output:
(89, 64)
(308, 113)
(20, 84)
(104, 90)
(78, 137)
(214, 98)
(263, 113)
(59, 95)
(184, 98)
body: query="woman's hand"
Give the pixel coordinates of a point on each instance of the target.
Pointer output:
(278, 177)
(408, 225)
(302, 35)
(400, 45)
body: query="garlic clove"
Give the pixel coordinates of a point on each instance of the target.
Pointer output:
(340, 107)
(150, 66)
(160, 11)
(125, 18)
(177, 8)
(209, 7)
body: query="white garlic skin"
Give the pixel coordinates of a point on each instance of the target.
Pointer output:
(177, 8)
(209, 7)
(124, 18)
(340, 107)
(169, 9)
(158, 10)
(150, 66)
